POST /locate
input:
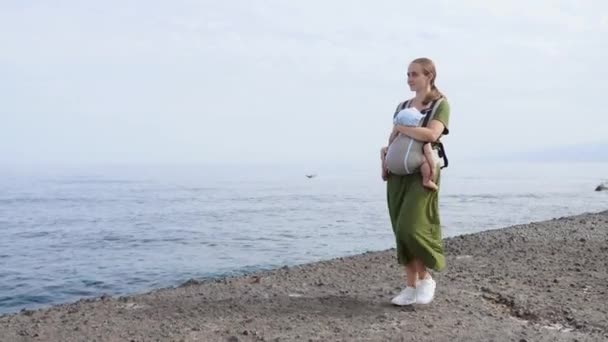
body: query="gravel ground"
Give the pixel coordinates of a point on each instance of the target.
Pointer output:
(543, 281)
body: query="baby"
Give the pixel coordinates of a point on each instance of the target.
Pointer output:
(411, 117)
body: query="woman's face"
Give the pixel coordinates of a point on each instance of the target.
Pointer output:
(416, 78)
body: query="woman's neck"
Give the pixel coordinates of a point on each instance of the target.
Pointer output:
(421, 95)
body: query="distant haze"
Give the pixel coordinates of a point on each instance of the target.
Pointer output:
(308, 81)
(597, 152)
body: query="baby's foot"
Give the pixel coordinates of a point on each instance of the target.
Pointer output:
(430, 185)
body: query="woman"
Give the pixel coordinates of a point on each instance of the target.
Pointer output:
(413, 209)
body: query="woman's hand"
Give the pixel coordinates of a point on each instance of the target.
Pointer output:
(383, 151)
(385, 172)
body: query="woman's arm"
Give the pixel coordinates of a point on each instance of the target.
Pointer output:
(426, 134)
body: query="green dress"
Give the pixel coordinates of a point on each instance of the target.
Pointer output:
(414, 212)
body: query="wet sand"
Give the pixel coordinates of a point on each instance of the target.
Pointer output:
(544, 281)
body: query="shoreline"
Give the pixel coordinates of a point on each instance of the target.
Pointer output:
(541, 281)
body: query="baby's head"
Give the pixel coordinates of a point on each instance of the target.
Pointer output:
(408, 116)
(410, 111)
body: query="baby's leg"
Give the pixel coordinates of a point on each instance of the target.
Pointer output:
(427, 176)
(427, 169)
(430, 158)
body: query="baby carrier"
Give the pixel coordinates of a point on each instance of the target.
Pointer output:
(405, 155)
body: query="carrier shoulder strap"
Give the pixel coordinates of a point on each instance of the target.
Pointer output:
(434, 106)
(401, 107)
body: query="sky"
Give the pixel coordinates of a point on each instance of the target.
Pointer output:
(291, 81)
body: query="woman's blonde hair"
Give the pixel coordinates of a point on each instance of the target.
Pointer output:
(428, 68)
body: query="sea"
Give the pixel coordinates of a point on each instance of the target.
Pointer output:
(72, 232)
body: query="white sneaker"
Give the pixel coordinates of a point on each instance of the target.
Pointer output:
(405, 297)
(425, 290)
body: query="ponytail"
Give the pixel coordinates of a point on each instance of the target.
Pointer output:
(433, 95)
